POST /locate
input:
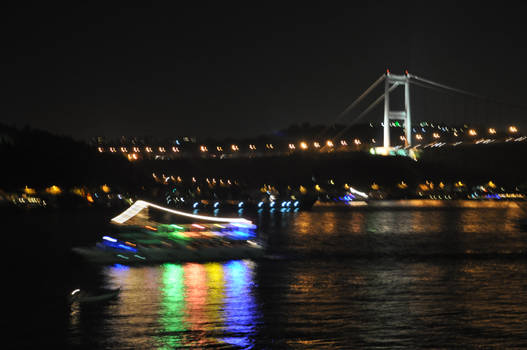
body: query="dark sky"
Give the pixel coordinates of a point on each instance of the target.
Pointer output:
(223, 70)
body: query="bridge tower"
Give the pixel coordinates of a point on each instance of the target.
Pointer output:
(391, 82)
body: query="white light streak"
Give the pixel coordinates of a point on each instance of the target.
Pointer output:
(140, 205)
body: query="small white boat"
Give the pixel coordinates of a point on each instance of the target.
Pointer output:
(81, 296)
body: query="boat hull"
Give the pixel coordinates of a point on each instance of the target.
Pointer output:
(161, 255)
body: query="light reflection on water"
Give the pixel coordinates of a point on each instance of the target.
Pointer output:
(389, 278)
(175, 305)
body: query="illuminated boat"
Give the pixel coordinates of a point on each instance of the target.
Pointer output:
(202, 238)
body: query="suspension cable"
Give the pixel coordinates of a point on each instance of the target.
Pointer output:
(366, 111)
(354, 103)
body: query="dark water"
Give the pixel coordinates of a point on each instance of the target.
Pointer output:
(406, 275)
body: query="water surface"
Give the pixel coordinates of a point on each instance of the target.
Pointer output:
(401, 275)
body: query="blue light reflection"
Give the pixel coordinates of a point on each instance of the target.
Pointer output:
(240, 306)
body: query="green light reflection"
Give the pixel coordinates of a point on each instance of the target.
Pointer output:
(172, 311)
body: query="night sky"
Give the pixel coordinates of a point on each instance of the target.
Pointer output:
(223, 70)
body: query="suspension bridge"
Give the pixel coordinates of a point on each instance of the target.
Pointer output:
(404, 115)
(430, 114)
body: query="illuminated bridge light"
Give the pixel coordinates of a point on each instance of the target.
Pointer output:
(513, 129)
(291, 146)
(329, 143)
(492, 131)
(100, 149)
(472, 132)
(203, 148)
(343, 142)
(303, 145)
(175, 149)
(316, 145)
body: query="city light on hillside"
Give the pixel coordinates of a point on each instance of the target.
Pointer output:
(53, 190)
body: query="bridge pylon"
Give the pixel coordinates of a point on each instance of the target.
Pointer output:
(391, 82)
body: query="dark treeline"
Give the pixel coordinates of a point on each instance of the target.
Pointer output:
(38, 158)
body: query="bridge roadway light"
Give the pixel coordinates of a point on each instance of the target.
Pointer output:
(513, 129)
(436, 135)
(492, 131)
(472, 132)
(329, 143)
(303, 145)
(316, 144)
(418, 137)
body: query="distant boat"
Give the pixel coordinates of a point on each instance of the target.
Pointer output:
(202, 238)
(82, 296)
